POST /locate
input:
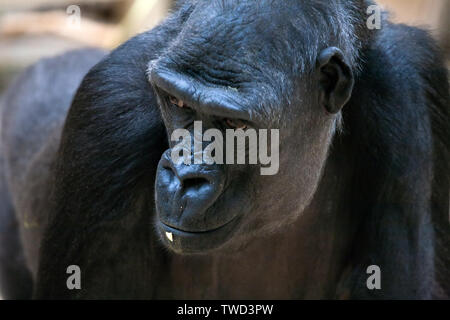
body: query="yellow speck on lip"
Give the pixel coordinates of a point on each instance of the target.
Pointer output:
(169, 236)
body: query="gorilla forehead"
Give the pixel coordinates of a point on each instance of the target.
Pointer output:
(236, 42)
(247, 40)
(247, 46)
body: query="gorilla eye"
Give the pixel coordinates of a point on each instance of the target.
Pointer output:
(177, 102)
(236, 124)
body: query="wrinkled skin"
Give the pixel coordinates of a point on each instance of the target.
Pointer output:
(234, 60)
(364, 158)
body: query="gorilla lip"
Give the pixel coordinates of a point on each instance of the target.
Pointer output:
(197, 232)
(195, 242)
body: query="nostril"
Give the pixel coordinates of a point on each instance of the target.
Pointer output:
(193, 183)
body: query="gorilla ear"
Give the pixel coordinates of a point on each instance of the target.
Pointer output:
(336, 80)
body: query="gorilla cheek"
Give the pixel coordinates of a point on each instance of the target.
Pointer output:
(278, 208)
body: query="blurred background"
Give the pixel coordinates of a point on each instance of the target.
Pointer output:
(32, 29)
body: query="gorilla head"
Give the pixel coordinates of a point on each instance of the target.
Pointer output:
(239, 65)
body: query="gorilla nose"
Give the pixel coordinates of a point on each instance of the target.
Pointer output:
(191, 179)
(193, 184)
(186, 192)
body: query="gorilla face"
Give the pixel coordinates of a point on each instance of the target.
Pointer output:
(234, 69)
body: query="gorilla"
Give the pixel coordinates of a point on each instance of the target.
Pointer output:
(87, 177)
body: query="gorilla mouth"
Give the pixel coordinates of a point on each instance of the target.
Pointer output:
(197, 232)
(188, 242)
